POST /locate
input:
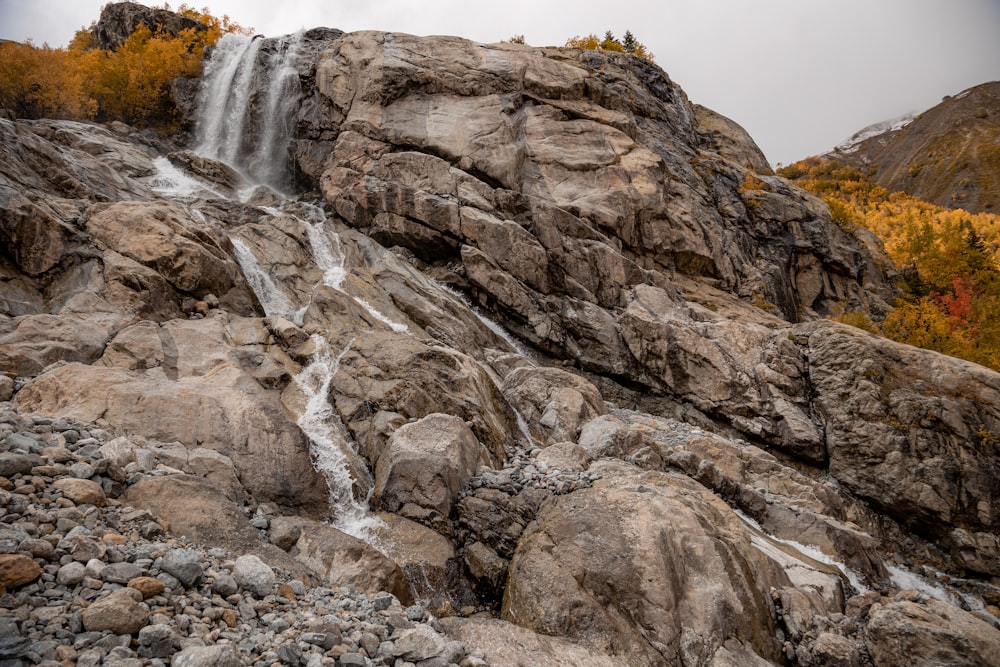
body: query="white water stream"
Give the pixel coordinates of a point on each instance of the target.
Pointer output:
(247, 108)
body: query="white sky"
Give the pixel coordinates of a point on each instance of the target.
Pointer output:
(799, 75)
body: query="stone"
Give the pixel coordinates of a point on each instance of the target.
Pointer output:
(81, 491)
(342, 560)
(38, 549)
(418, 644)
(71, 574)
(253, 575)
(427, 463)
(206, 656)
(17, 570)
(119, 451)
(15, 464)
(6, 388)
(148, 586)
(574, 557)
(225, 585)
(565, 456)
(121, 573)
(930, 632)
(158, 641)
(121, 612)
(185, 564)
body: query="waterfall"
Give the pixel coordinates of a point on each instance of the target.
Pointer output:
(225, 97)
(246, 110)
(246, 118)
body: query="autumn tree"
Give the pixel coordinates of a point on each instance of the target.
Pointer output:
(949, 259)
(130, 84)
(610, 43)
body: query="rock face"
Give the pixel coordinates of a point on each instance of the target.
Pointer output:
(689, 466)
(120, 19)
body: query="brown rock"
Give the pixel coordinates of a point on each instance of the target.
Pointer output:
(17, 570)
(598, 559)
(122, 612)
(343, 560)
(81, 491)
(198, 510)
(427, 463)
(931, 632)
(148, 586)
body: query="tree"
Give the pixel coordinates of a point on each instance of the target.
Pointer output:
(610, 43)
(629, 42)
(85, 82)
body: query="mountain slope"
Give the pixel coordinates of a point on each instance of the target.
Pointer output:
(949, 155)
(677, 460)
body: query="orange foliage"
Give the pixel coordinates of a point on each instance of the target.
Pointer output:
(130, 84)
(950, 286)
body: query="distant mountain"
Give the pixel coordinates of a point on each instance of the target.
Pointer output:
(949, 155)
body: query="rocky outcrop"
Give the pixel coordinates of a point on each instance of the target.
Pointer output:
(567, 577)
(260, 365)
(120, 19)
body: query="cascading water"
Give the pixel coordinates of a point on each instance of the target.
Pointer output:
(225, 95)
(246, 109)
(246, 118)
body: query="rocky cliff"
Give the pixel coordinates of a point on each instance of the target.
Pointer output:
(515, 332)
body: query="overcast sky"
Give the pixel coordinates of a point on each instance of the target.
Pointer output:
(799, 75)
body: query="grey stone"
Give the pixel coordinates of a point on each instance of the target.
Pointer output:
(206, 656)
(184, 564)
(121, 573)
(71, 574)
(253, 575)
(225, 585)
(158, 641)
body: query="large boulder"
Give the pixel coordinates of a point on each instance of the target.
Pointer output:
(342, 560)
(915, 434)
(651, 568)
(930, 633)
(427, 463)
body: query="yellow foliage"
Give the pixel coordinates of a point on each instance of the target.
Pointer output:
(592, 42)
(129, 84)
(42, 82)
(950, 300)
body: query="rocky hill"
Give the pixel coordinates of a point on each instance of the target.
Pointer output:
(948, 155)
(488, 355)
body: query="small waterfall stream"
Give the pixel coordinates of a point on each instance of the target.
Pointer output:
(246, 115)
